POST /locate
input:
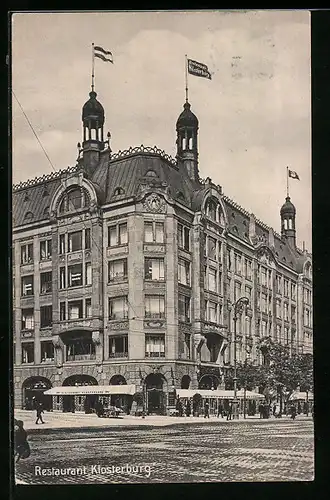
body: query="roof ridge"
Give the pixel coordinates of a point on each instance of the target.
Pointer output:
(44, 178)
(143, 149)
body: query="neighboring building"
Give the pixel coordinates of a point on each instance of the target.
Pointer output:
(126, 267)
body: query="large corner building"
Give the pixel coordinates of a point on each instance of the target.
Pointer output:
(126, 268)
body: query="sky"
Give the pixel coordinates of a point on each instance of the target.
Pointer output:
(254, 115)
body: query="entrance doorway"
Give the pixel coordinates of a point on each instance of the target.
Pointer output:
(79, 403)
(156, 398)
(33, 393)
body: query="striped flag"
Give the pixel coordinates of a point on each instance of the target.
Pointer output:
(105, 55)
(293, 175)
(198, 69)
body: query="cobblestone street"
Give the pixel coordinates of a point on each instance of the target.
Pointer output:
(258, 450)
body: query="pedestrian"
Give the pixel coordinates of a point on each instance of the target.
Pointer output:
(206, 410)
(40, 410)
(293, 412)
(220, 410)
(188, 409)
(22, 447)
(274, 410)
(229, 411)
(261, 410)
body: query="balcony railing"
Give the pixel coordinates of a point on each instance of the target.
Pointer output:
(155, 354)
(118, 355)
(81, 357)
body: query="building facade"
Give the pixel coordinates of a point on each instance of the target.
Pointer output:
(127, 266)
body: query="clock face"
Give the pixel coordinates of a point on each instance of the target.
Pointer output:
(154, 203)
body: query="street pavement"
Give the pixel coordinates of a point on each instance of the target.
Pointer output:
(211, 450)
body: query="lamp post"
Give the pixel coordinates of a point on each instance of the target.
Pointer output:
(238, 308)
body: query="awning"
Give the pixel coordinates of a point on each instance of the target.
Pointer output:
(217, 393)
(82, 390)
(302, 396)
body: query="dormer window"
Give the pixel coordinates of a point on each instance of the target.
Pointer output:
(28, 215)
(308, 271)
(118, 191)
(74, 199)
(151, 173)
(214, 211)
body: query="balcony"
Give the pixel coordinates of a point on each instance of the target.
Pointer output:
(118, 355)
(155, 354)
(81, 357)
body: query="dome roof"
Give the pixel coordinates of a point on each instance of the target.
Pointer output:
(187, 118)
(93, 109)
(288, 208)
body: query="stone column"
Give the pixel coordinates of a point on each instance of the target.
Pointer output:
(59, 350)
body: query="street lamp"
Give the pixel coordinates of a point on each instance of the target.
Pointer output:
(238, 309)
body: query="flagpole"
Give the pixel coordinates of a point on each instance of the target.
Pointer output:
(287, 182)
(93, 64)
(186, 76)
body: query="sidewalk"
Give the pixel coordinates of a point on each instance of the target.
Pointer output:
(58, 420)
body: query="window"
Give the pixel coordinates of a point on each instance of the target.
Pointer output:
(270, 279)
(183, 237)
(87, 239)
(46, 316)
(62, 311)
(264, 328)
(27, 285)
(47, 351)
(46, 282)
(264, 276)
(27, 319)
(212, 311)
(248, 293)
(45, 249)
(286, 288)
(228, 259)
(237, 263)
(184, 272)
(264, 302)
(279, 284)
(154, 232)
(118, 307)
(62, 278)
(154, 269)
(27, 253)
(80, 348)
(118, 346)
(73, 200)
(286, 311)
(212, 210)
(184, 308)
(211, 280)
(293, 291)
(248, 326)
(278, 308)
(155, 346)
(27, 352)
(117, 235)
(278, 333)
(88, 273)
(237, 290)
(88, 308)
(75, 241)
(117, 270)
(270, 304)
(293, 314)
(155, 306)
(211, 245)
(75, 309)
(75, 275)
(62, 244)
(248, 269)
(286, 335)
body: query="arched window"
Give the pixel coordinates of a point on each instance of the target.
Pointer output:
(213, 210)
(74, 199)
(118, 191)
(151, 173)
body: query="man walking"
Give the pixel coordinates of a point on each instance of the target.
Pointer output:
(39, 413)
(206, 410)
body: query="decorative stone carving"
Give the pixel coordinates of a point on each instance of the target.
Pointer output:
(154, 203)
(96, 338)
(53, 216)
(123, 325)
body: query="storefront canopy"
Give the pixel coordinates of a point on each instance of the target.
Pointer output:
(301, 396)
(83, 390)
(221, 394)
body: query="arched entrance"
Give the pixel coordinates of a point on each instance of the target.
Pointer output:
(185, 382)
(33, 392)
(79, 403)
(208, 382)
(123, 401)
(155, 395)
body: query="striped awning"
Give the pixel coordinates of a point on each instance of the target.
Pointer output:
(83, 390)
